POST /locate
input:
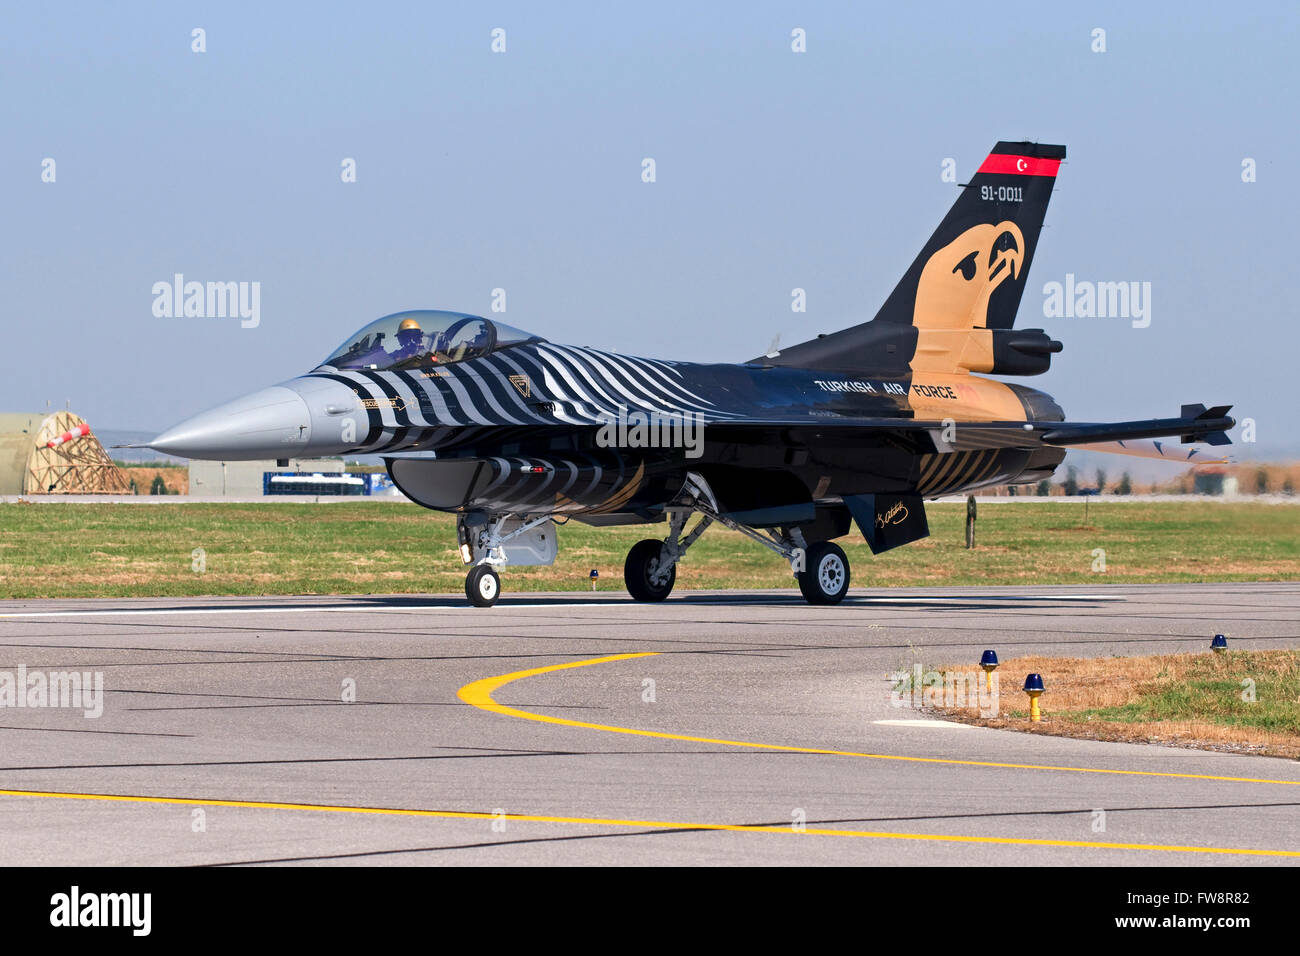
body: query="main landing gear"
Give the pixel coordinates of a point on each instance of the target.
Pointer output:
(822, 569)
(489, 541)
(825, 578)
(647, 572)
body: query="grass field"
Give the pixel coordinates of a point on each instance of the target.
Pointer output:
(125, 550)
(1242, 701)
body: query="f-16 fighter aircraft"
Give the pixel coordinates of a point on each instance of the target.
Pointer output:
(510, 432)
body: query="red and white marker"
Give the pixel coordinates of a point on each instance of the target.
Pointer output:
(78, 432)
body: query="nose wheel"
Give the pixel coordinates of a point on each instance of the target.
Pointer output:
(825, 579)
(482, 586)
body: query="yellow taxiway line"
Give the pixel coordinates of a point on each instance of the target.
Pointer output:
(479, 694)
(639, 824)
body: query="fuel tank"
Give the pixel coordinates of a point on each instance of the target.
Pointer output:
(604, 481)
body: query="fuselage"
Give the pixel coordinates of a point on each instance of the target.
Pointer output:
(569, 428)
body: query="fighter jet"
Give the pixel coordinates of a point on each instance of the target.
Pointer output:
(512, 433)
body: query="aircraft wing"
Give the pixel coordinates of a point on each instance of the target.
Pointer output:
(1141, 437)
(1195, 423)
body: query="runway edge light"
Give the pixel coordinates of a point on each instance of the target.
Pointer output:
(1219, 644)
(989, 662)
(1034, 687)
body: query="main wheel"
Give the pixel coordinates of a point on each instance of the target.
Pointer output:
(825, 579)
(645, 574)
(482, 586)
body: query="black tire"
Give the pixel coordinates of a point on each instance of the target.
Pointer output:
(482, 586)
(641, 573)
(826, 578)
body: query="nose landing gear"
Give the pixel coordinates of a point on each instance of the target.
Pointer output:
(482, 586)
(490, 541)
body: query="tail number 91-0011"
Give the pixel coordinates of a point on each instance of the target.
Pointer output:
(1002, 193)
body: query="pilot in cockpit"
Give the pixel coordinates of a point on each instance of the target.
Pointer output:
(410, 342)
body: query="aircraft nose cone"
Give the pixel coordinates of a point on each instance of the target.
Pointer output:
(272, 423)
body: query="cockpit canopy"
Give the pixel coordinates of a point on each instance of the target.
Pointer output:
(425, 339)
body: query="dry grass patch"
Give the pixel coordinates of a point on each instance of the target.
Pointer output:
(1238, 701)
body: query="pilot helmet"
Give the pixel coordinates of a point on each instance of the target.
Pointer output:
(408, 332)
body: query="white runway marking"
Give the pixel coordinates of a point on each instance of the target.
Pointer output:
(948, 599)
(853, 602)
(141, 612)
(358, 608)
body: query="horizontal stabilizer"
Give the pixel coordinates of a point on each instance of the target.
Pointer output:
(1158, 450)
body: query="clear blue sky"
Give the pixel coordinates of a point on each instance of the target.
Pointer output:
(522, 171)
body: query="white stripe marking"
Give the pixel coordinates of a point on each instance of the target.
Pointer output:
(363, 609)
(992, 597)
(133, 612)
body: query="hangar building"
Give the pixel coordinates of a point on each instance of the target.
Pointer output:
(248, 479)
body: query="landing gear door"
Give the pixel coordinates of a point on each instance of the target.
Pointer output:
(887, 521)
(536, 546)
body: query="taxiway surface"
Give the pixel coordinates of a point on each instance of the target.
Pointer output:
(582, 728)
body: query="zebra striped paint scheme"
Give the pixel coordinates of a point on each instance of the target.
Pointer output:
(948, 473)
(582, 387)
(500, 406)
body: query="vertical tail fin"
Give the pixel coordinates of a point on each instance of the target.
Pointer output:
(972, 272)
(969, 276)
